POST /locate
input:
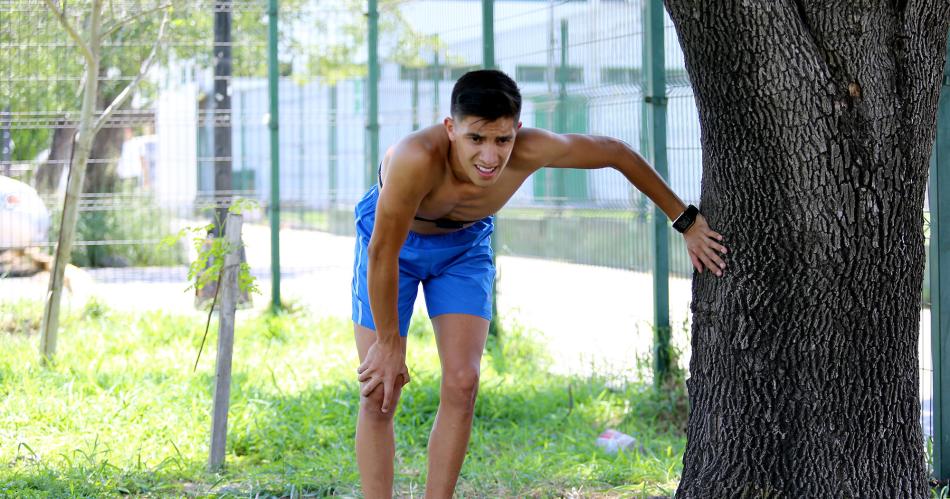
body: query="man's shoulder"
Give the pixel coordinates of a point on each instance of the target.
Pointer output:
(418, 156)
(420, 149)
(534, 135)
(532, 146)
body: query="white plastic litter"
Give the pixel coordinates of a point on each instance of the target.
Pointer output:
(613, 441)
(24, 219)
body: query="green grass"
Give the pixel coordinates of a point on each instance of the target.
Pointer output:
(121, 412)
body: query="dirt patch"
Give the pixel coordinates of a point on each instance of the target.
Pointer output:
(23, 262)
(16, 321)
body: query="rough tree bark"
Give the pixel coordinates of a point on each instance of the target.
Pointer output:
(818, 120)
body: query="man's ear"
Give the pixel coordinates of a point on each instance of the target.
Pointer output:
(519, 125)
(449, 125)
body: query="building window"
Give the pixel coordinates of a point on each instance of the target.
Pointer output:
(675, 77)
(538, 74)
(621, 76)
(430, 72)
(530, 74)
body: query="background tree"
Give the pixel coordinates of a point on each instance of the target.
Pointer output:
(43, 68)
(89, 41)
(818, 121)
(190, 34)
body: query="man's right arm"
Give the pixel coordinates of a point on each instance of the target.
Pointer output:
(404, 188)
(399, 200)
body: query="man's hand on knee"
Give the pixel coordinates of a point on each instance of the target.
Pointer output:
(385, 365)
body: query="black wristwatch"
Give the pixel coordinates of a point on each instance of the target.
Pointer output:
(686, 219)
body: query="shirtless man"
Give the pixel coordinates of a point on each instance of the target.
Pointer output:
(429, 219)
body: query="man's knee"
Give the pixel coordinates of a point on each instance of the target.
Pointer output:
(372, 405)
(460, 387)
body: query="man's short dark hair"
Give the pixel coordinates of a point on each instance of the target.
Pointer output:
(486, 93)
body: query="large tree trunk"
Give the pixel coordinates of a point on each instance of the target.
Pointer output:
(106, 148)
(817, 122)
(101, 172)
(50, 173)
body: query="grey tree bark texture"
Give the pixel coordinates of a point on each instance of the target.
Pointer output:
(818, 120)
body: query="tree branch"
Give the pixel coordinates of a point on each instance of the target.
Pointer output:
(116, 25)
(127, 91)
(61, 17)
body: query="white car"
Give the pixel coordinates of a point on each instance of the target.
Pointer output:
(24, 219)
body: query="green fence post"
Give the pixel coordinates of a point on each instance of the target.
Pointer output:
(332, 151)
(940, 282)
(223, 73)
(488, 34)
(301, 181)
(488, 62)
(560, 115)
(415, 98)
(274, 123)
(436, 78)
(654, 71)
(372, 90)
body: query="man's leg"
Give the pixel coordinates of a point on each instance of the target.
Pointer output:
(461, 340)
(375, 442)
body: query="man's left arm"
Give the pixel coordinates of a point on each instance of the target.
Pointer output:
(590, 151)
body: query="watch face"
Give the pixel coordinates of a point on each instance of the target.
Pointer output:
(682, 223)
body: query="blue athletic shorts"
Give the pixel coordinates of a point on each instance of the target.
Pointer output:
(455, 269)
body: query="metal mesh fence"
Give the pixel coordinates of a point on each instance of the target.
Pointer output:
(148, 171)
(156, 163)
(578, 66)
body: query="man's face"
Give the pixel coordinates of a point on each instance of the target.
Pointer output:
(482, 147)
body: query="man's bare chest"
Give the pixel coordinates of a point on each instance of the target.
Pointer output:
(467, 202)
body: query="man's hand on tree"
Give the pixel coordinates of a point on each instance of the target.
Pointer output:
(704, 247)
(385, 365)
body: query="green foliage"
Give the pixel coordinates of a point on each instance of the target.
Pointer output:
(938, 489)
(132, 222)
(196, 274)
(121, 413)
(209, 263)
(30, 142)
(49, 67)
(208, 267)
